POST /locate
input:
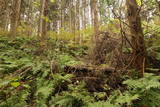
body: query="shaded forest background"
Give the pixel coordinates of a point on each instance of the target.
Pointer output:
(80, 53)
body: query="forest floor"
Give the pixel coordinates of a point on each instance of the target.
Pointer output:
(58, 74)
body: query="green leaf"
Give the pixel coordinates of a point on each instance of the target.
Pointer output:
(139, 2)
(15, 84)
(4, 82)
(102, 104)
(52, 1)
(46, 18)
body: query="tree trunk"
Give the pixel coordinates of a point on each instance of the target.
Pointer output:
(3, 14)
(15, 16)
(84, 14)
(77, 20)
(43, 21)
(96, 53)
(158, 3)
(137, 37)
(95, 18)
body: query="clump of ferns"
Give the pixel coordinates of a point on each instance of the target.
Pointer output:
(146, 89)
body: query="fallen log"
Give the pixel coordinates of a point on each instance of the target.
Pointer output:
(95, 77)
(88, 69)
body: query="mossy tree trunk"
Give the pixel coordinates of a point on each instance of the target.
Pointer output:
(137, 37)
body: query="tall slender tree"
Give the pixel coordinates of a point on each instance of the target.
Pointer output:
(97, 59)
(95, 17)
(15, 16)
(43, 19)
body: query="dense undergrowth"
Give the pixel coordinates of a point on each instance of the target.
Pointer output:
(27, 79)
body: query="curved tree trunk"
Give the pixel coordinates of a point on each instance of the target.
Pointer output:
(137, 37)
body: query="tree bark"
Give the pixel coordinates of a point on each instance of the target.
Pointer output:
(43, 21)
(158, 3)
(95, 17)
(96, 53)
(15, 16)
(137, 37)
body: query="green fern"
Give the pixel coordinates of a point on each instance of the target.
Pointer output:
(147, 89)
(102, 104)
(75, 96)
